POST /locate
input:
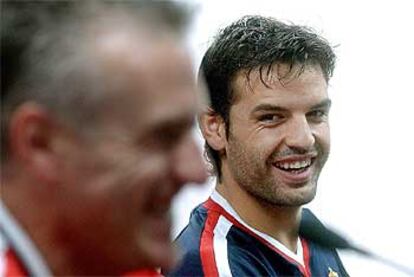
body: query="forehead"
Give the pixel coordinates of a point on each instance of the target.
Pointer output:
(282, 86)
(148, 78)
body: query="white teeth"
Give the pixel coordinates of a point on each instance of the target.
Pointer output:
(294, 165)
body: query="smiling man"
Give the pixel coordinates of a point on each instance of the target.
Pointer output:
(267, 138)
(98, 101)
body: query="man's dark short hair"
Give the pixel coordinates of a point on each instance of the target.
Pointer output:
(257, 43)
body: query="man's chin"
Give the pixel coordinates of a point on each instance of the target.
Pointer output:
(291, 197)
(300, 199)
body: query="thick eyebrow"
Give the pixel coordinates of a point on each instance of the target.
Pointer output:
(268, 107)
(324, 104)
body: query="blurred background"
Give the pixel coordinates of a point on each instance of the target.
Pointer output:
(366, 189)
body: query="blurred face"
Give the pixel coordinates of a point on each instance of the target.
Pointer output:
(120, 178)
(278, 140)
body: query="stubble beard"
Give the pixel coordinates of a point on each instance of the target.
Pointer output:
(255, 177)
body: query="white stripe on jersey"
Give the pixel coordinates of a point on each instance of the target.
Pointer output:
(298, 257)
(220, 246)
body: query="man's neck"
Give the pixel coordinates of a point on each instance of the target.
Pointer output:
(281, 223)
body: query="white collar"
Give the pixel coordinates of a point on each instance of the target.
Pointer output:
(14, 236)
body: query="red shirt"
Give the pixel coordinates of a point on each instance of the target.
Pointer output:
(10, 264)
(144, 273)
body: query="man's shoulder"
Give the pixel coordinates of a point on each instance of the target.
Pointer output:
(211, 245)
(189, 237)
(322, 244)
(325, 259)
(188, 242)
(231, 252)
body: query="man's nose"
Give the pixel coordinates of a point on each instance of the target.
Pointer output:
(188, 165)
(299, 133)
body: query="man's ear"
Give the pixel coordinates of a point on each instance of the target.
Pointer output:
(213, 129)
(31, 131)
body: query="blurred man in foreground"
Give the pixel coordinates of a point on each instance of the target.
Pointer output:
(267, 136)
(97, 103)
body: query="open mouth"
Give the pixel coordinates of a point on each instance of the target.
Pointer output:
(294, 167)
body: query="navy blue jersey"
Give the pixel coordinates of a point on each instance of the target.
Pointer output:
(217, 242)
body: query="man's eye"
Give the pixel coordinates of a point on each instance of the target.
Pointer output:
(318, 115)
(270, 118)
